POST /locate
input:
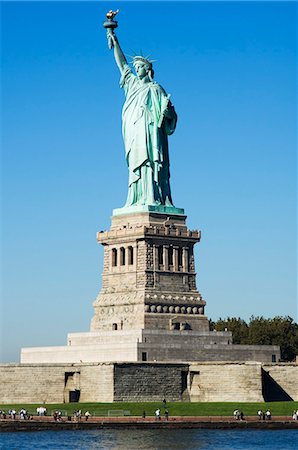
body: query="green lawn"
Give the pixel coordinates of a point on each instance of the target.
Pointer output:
(175, 408)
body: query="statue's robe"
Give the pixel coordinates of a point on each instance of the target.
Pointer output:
(145, 132)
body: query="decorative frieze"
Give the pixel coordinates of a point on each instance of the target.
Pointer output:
(177, 309)
(148, 231)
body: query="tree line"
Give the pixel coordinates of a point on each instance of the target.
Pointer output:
(282, 331)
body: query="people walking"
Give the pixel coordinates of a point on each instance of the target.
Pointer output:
(157, 414)
(236, 414)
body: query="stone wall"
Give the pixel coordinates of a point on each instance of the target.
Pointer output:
(51, 383)
(167, 321)
(100, 353)
(159, 345)
(223, 382)
(97, 383)
(206, 346)
(124, 309)
(107, 382)
(31, 383)
(284, 381)
(149, 382)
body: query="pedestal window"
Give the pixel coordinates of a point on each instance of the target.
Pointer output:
(114, 257)
(122, 256)
(130, 255)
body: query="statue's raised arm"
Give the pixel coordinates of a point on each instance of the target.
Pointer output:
(113, 42)
(118, 53)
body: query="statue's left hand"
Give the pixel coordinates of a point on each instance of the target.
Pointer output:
(168, 112)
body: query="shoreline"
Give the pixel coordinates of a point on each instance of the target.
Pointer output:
(48, 424)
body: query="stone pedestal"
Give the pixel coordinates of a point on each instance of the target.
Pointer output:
(149, 308)
(149, 279)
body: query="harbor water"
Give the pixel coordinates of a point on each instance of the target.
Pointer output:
(130, 439)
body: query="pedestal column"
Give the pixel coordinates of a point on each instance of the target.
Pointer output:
(185, 259)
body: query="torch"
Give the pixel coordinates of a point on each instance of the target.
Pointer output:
(110, 25)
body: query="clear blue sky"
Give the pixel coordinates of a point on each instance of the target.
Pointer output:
(231, 70)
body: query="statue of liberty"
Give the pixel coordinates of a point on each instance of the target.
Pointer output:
(148, 117)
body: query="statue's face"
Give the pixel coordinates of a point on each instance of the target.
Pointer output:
(141, 70)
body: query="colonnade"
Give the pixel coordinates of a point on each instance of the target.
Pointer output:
(165, 257)
(171, 257)
(122, 256)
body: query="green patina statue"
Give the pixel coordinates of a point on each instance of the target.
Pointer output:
(148, 117)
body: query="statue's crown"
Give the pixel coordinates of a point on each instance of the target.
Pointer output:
(143, 60)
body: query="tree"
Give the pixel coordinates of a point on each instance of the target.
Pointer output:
(282, 331)
(236, 325)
